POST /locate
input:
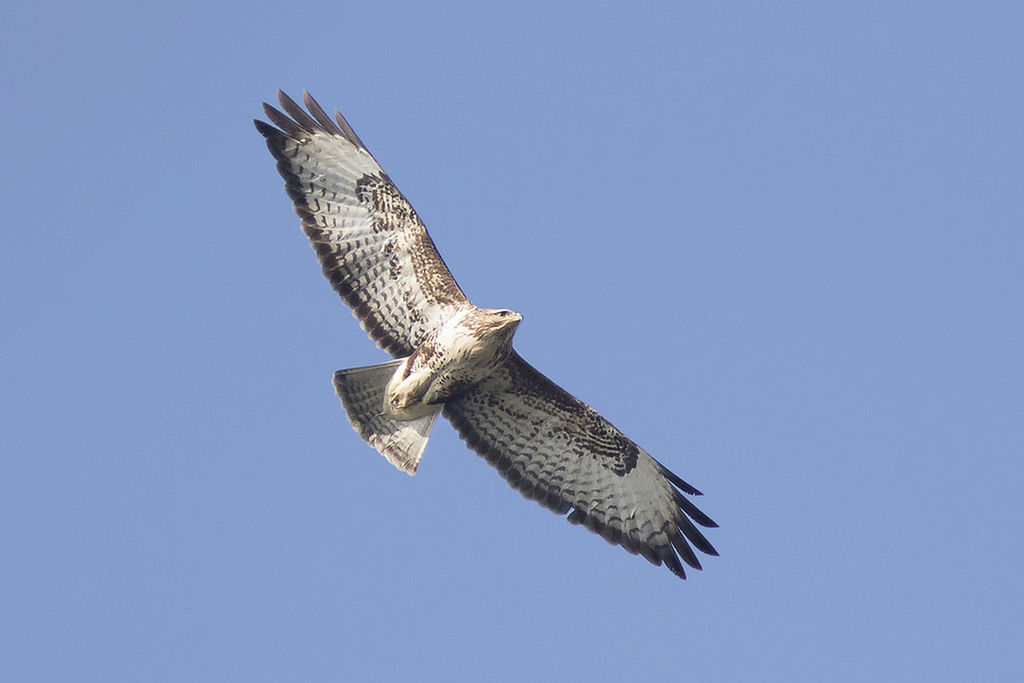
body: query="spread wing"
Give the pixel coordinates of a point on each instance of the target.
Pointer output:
(557, 450)
(372, 246)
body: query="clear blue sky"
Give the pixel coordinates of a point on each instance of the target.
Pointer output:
(781, 245)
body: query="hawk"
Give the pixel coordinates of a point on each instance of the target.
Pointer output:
(454, 358)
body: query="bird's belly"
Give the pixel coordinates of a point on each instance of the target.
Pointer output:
(417, 391)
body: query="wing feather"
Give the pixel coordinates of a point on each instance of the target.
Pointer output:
(371, 244)
(557, 450)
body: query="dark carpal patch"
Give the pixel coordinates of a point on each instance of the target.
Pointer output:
(391, 212)
(613, 451)
(592, 435)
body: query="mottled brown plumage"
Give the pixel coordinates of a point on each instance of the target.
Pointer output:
(454, 357)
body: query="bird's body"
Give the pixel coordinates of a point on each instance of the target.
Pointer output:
(456, 358)
(463, 351)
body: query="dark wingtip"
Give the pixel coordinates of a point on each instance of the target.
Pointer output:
(319, 114)
(347, 131)
(283, 98)
(693, 512)
(265, 129)
(694, 536)
(677, 569)
(286, 125)
(306, 122)
(678, 482)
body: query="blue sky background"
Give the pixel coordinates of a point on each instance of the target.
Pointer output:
(779, 244)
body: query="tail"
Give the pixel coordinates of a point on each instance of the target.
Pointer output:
(361, 391)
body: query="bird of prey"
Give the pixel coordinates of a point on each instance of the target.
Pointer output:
(454, 358)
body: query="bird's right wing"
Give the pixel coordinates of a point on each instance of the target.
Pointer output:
(557, 450)
(372, 246)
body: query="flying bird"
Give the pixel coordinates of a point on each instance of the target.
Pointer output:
(454, 358)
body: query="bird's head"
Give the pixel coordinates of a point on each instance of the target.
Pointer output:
(502, 321)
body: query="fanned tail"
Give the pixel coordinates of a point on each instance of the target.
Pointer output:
(361, 391)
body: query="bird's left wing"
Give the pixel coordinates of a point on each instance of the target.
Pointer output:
(372, 246)
(557, 450)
